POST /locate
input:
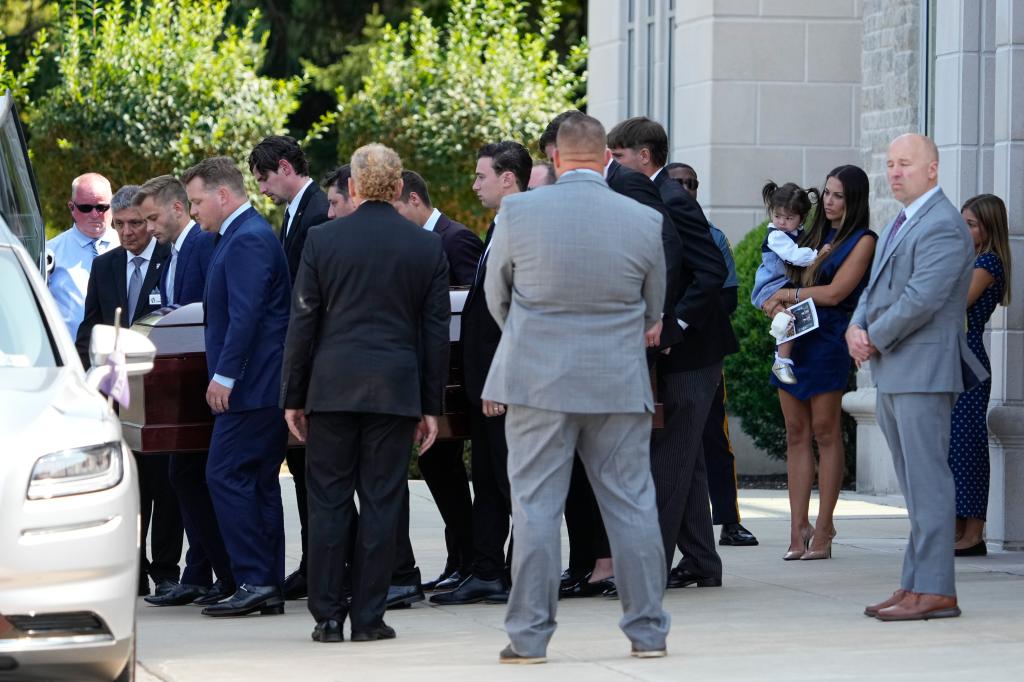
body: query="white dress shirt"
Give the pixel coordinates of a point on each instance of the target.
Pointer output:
(73, 253)
(431, 223)
(293, 206)
(173, 263)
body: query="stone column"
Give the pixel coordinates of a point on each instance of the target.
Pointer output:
(1006, 416)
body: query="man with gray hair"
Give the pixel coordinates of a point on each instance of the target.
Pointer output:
(128, 277)
(572, 370)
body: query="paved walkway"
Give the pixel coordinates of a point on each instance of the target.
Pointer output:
(772, 620)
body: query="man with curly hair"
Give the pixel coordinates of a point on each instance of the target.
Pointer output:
(371, 301)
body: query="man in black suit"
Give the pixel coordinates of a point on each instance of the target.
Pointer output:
(590, 561)
(163, 204)
(502, 168)
(690, 372)
(443, 470)
(360, 403)
(128, 277)
(282, 173)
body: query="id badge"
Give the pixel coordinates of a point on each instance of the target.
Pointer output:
(154, 297)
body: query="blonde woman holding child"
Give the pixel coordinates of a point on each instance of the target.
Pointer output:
(821, 363)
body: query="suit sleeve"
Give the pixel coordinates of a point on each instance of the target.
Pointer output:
(465, 256)
(730, 299)
(937, 261)
(498, 280)
(638, 187)
(701, 257)
(93, 316)
(434, 327)
(302, 328)
(654, 288)
(248, 289)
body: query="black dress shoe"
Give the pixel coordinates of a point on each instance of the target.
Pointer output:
(684, 577)
(612, 592)
(249, 599)
(431, 585)
(328, 631)
(404, 596)
(179, 595)
(220, 591)
(454, 579)
(736, 535)
(164, 585)
(979, 549)
(584, 587)
(382, 631)
(472, 591)
(295, 586)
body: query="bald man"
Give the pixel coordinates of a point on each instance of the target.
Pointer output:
(572, 369)
(909, 323)
(75, 249)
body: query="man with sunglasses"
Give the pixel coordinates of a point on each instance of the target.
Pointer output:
(74, 249)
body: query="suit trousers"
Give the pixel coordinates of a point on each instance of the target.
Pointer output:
(296, 458)
(614, 451)
(677, 465)
(588, 540)
(916, 427)
(492, 502)
(242, 472)
(348, 454)
(205, 544)
(444, 472)
(720, 462)
(159, 512)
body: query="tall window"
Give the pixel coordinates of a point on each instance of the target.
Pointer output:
(926, 103)
(670, 23)
(630, 51)
(650, 51)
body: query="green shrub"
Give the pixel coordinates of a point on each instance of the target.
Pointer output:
(751, 397)
(152, 87)
(436, 96)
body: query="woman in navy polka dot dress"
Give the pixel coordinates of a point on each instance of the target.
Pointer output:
(985, 215)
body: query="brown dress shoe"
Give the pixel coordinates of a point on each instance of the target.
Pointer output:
(917, 606)
(896, 598)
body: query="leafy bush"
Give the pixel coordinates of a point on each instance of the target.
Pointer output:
(152, 87)
(436, 96)
(751, 397)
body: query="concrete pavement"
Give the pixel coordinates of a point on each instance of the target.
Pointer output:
(772, 620)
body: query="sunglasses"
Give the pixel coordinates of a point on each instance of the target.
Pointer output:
(689, 183)
(88, 208)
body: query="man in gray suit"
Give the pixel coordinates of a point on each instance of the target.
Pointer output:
(909, 323)
(576, 276)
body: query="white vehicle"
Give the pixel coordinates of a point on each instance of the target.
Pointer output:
(69, 499)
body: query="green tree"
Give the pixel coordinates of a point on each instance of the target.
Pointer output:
(151, 87)
(436, 95)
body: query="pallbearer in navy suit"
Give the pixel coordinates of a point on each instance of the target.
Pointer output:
(246, 316)
(282, 173)
(163, 204)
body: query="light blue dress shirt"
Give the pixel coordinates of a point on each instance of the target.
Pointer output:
(73, 253)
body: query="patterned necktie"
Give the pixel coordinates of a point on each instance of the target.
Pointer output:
(96, 246)
(900, 219)
(171, 267)
(135, 287)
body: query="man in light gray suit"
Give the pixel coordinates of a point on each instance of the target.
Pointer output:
(576, 276)
(909, 323)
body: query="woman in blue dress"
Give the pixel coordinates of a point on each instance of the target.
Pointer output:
(812, 406)
(968, 445)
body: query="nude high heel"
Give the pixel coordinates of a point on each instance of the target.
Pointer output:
(824, 553)
(793, 555)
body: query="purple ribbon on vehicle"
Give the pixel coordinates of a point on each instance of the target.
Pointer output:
(115, 383)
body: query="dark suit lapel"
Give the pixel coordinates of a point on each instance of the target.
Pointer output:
(307, 194)
(183, 256)
(481, 268)
(120, 263)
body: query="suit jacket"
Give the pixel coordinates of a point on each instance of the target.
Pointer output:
(108, 290)
(246, 309)
(914, 304)
(639, 187)
(708, 336)
(370, 317)
(312, 211)
(190, 268)
(479, 334)
(463, 249)
(577, 273)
